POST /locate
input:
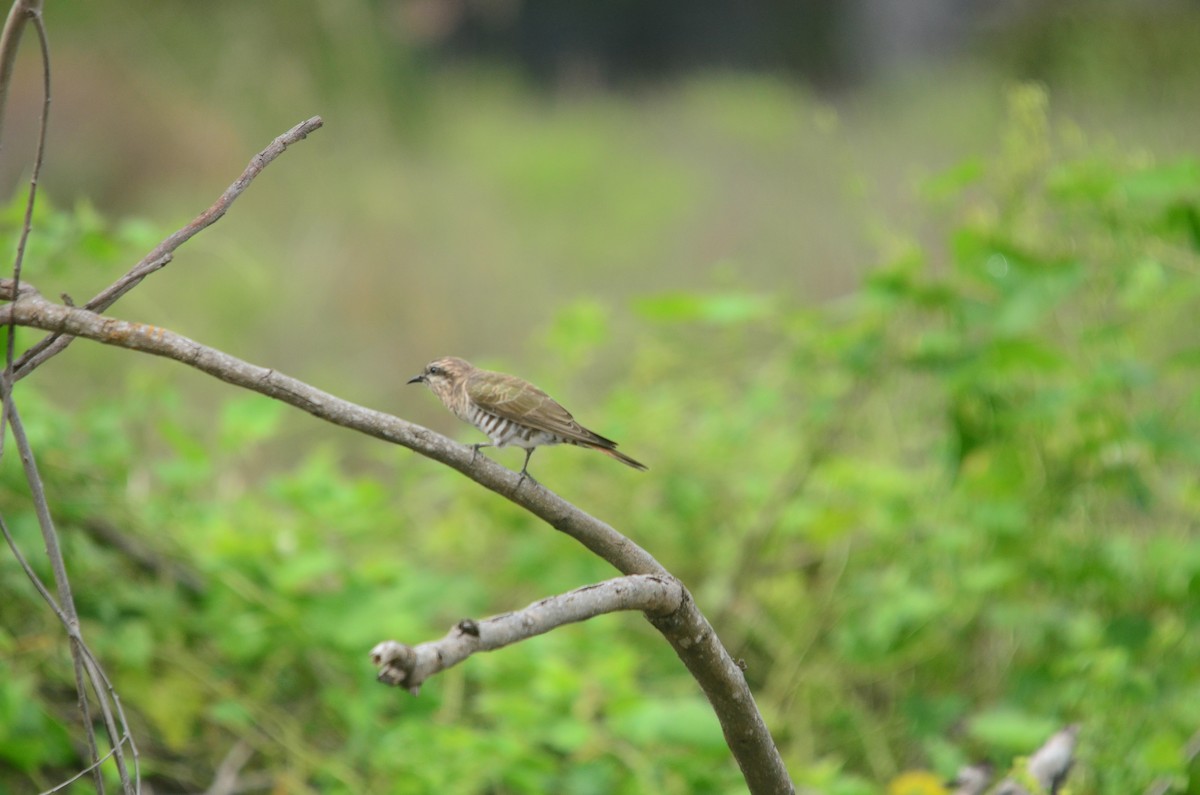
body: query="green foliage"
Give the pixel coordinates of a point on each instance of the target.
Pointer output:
(304, 570)
(953, 513)
(937, 520)
(72, 241)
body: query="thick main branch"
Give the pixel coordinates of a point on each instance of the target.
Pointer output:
(686, 629)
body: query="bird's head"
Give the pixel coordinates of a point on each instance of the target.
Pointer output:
(444, 376)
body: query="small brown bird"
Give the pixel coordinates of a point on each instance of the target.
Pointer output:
(511, 411)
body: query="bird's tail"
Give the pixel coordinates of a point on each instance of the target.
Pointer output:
(624, 459)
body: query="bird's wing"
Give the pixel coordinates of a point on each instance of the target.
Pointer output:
(521, 402)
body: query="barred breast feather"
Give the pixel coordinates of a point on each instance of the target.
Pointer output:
(504, 432)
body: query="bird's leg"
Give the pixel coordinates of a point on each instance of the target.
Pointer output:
(475, 449)
(525, 468)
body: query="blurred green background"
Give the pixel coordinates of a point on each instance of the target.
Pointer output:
(896, 300)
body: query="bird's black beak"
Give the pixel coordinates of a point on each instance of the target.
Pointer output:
(416, 379)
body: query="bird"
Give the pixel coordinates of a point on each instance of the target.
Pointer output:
(510, 410)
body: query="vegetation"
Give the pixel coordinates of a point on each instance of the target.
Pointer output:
(937, 518)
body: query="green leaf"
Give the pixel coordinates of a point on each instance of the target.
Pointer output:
(1027, 355)
(1011, 729)
(1166, 183)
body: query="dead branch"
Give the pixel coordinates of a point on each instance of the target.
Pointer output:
(686, 629)
(164, 252)
(14, 26)
(86, 668)
(410, 666)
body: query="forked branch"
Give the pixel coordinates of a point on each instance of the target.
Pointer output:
(686, 628)
(164, 252)
(86, 669)
(409, 666)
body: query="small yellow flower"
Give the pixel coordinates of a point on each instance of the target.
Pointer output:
(917, 782)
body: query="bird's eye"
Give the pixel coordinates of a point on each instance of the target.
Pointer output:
(435, 371)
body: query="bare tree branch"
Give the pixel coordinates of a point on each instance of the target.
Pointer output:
(86, 668)
(20, 14)
(93, 667)
(85, 664)
(92, 768)
(39, 156)
(686, 629)
(35, 311)
(14, 26)
(164, 252)
(410, 666)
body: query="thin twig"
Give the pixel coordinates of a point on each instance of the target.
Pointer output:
(65, 601)
(86, 667)
(34, 12)
(162, 254)
(38, 585)
(14, 26)
(115, 735)
(94, 670)
(687, 630)
(410, 666)
(94, 766)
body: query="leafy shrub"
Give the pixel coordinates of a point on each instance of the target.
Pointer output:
(937, 520)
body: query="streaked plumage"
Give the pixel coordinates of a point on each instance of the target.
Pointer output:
(510, 410)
